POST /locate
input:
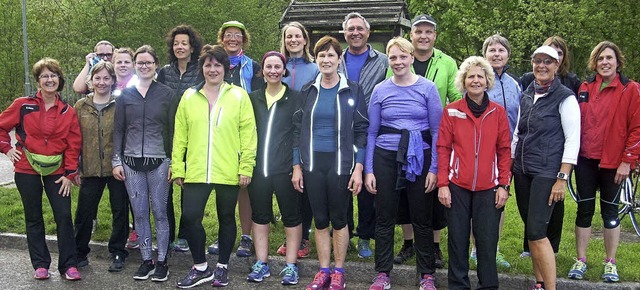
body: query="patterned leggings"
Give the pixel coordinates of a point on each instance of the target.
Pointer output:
(142, 187)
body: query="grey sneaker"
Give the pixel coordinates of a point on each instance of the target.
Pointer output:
(244, 249)
(181, 246)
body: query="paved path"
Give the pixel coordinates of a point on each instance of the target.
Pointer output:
(6, 167)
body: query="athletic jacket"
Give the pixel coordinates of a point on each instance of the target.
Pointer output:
(97, 136)
(352, 123)
(170, 76)
(372, 73)
(64, 139)
(621, 137)
(506, 92)
(219, 143)
(474, 153)
(275, 131)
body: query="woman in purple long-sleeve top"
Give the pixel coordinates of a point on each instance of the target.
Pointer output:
(404, 117)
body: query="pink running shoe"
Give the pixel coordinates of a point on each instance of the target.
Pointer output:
(41, 274)
(322, 280)
(428, 282)
(381, 282)
(72, 274)
(337, 281)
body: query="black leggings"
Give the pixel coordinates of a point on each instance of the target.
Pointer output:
(195, 200)
(590, 177)
(532, 197)
(327, 191)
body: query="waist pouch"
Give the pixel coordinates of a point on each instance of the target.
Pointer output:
(43, 164)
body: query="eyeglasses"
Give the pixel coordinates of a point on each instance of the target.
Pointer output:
(144, 63)
(51, 76)
(104, 55)
(230, 35)
(546, 61)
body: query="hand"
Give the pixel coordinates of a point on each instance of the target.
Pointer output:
(118, 173)
(77, 180)
(430, 182)
(89, 57)
(65, 188)
(14, 155)
(501, 197)
(244, 180)
(622, 172)
(169, 176)
(444, 196)
(355, 182)
(557, 191)
(179, 181)
(296, 178)
(370, 183)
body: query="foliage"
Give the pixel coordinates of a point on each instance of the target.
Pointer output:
(464, 24)
(68, 29)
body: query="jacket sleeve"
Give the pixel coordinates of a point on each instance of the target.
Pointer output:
(171, 119)
(452, 93)
(9, 119)
(74, 145)
(118, 132)
(360, 126)
(444, 146)
(632, 144)
(179, 141)
(503, 149)
(434, 105)
(297, 124)
(248, 136)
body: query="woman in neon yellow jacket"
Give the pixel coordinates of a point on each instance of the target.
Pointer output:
(215, 128)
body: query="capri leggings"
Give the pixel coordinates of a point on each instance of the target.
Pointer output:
(590, 177)
(144, 188)
(261, 191)
(532, 197)
(328, 193)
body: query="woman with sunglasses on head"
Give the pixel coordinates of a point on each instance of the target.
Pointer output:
(142, 134)
(273, 107)
(544, 149)
(183, 46)
(46, 157)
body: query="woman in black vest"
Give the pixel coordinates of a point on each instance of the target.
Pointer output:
(544, 147)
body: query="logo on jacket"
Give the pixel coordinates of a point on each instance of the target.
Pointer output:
(351, 102)
(456, 113)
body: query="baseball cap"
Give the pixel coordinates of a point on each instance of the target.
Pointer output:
(423, 18)
(233, 23)
(548, 50)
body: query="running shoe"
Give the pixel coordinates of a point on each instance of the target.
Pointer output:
(181, 246)
(290, 275)
(282, 250)
(72, 274)
(501, 262)
(428, 282)
(381, 282)
(41, 274)
(132, 242)
(117, 264)
(195, 278)
(259, 271)
(146, 269)
(213, 249)
(322, 280)
(364, 250)
(577, 270)
(244, 249)
(220, 277)
(303, 251)
(337, 281)
(610, 272)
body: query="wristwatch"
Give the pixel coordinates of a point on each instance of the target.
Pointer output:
(563, 176)
(505, 186)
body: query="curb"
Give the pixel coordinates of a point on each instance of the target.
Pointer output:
(359, 272)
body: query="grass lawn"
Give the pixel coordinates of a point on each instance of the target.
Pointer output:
(12, 220)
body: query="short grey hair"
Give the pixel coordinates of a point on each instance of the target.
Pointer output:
(493, 39)
(355, 15)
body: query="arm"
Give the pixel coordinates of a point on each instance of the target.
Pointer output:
(632, 144)
(118, 138)
(452, 93)
(434, 106)
(180, 141)
(9, 119)
(444, 147)
(374, 113)
(74, 146)
(503, 150)
(80, 83)
(248, 137)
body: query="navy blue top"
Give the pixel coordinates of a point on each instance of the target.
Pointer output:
(354, 63)
(324, 121)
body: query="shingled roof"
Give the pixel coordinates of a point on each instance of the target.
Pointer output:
(387, 18)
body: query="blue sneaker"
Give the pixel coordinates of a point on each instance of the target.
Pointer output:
(289, 275)
(610, 272)
(213, 249)
(259, 272)
(364, 251)
(244, 249)
(578, 269)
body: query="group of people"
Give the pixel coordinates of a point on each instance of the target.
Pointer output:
(434, 145)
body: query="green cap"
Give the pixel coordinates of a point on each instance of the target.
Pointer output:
(233, 24)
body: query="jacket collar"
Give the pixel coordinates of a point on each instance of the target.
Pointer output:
(619, 77)
(342, 85)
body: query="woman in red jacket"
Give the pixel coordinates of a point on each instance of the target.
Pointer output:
(609, 108)
(474, 173)
(46, 157)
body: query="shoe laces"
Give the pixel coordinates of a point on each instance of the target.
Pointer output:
(381, 279)
(258, 267)
(320, 277)
(338, 278)
(427, 282)
(579, 265)
(610, 268)
(288, 271)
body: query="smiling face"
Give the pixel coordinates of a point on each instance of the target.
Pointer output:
(423, 37)
(232, 40)
(48, 81)
(498, 56)
(102, 82)
(399, 61)
(105, 52)
(607, 64)
(213, 71)
(123, 64)
(145, 66)
(356, 34)
(475, 82)
(545, 70)
(294, 41)
(181, 47)
(327, 61)
(273, 69)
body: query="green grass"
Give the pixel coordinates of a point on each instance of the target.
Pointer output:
(12, 220)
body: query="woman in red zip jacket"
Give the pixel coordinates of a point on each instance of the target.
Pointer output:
(474, 173)
(45, 125)
(609, 109)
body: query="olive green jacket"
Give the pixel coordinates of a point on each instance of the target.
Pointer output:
(97, 131)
